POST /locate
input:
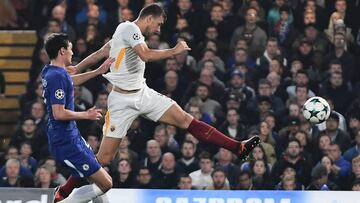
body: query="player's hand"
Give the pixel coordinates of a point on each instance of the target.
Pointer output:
(94, 114)
(105, 66)
(71, 70)
(181, 47)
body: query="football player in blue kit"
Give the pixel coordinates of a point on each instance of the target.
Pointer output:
(65, 142)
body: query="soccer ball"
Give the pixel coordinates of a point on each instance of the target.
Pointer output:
(316, 110)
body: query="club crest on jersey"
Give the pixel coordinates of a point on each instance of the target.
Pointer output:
(59, 94)
(112, 128)
(85, 167)
(136, 36)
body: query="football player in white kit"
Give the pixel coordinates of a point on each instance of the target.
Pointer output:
(131, 97)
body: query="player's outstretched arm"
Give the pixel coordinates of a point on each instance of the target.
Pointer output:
(92, 59)
(147, 54)
(62, 114)
(83, 77)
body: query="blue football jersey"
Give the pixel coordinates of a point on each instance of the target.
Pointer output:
(58, 89)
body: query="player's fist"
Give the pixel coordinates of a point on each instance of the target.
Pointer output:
(71, 70)
(181, 47)
(94, 114)
(105, 66)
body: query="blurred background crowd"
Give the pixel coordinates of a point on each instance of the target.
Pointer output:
(252, 66)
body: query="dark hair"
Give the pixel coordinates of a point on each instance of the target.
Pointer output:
(335, 62)
(54, 43)
(205, 155)
(293, 140)
(271, 39)
(189, 142)
(302, 71)
(301, 86)
(218, 169)
(154, 10)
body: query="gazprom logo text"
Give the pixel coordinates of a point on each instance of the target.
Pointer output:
(220, 200)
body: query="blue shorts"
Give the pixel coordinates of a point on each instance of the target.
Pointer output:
(77, 155)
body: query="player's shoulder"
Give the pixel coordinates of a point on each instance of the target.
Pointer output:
(127, 26)
(54, 73)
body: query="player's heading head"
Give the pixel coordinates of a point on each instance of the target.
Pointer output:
(153, 16)
(59, 47)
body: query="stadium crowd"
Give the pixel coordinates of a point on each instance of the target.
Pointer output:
(252, 66)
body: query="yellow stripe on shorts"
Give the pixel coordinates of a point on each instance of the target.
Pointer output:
(119, 58)
(107, 123)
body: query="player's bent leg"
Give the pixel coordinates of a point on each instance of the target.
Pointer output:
(107, 150)
(206, 133)
(176, 116)
(102, 183)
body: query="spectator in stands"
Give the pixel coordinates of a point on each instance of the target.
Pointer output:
(337, 135)
(238, 86)
(225, 158)
(272, 50)
(2, 85)
(202, 177)
(30, 97)
(313, 34)
(284, 29)
(167, 177)
(43, 178)
(167, 144)
(338, 91)
(331, 169)
(356, 185)
(8, 16)
(26, 133)
(207, 78)
(93, 140)
(289, 181)
(293, 158)
(56, 176)
(188, 162)
(264, 89)
(26, 160)
(90, 14)
(342, 121)
(354, 124)
(209, 106)
(217, 66)
(355, 172)
(185, 182)
(354, 151)
(261, 175)
(233, 127)
(345, 57)
(12, 174)
(245, 181)
(58, 13)
(143, 179)
(123, 177)
(301, 78)
(153, 159)
(277, 87)
(211, 34)
(254, 35)
(171, 87)
(341, 166)
(53, 26)
(320, 179)
(219, 180)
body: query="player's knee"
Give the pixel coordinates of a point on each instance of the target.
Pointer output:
(104, 159)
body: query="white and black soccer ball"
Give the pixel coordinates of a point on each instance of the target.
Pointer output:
(316, 110)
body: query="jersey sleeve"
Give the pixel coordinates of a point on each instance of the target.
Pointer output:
(133, 35)
(57, 89)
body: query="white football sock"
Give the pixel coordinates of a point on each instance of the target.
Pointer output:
(101, 199)
(84, 194)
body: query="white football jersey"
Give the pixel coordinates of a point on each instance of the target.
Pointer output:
(127, 72)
